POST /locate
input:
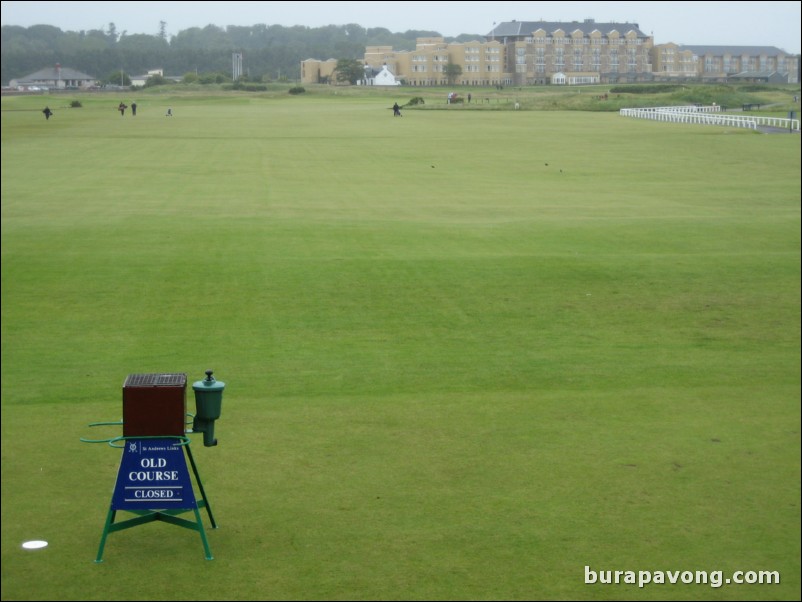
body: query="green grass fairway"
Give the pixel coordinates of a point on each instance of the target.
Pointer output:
(467, 353)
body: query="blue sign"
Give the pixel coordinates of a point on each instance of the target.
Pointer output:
(153, 475)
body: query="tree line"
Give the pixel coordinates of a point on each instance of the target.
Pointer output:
(270, 52)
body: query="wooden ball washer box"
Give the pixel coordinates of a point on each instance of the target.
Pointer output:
(155, 405)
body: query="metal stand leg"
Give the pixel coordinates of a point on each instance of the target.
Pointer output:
(109, 520)
(205, 502)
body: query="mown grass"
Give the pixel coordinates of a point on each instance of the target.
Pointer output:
(466, 353)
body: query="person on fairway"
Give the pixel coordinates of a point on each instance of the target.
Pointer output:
(396, 110)
(47, 112)
(121, 108)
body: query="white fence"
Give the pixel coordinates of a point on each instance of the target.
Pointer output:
(709, 115)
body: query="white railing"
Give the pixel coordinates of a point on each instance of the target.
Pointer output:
(709, 115)
(777, 122)
(682, 109)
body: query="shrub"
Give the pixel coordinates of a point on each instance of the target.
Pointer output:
(246, 86)
(156, 80)
(297, 90)
(76, 104)
(213, 78)
(645, 89)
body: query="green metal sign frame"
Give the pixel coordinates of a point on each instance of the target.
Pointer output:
(154, 484)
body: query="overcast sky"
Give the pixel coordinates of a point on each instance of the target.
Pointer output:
(692, 23)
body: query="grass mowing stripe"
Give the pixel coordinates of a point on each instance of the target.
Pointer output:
(453, 371)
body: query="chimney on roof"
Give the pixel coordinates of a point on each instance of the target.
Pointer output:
(58, 71)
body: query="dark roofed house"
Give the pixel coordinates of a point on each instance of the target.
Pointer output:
(57, 77)
(573, 52)
(703, 50)
(523, 29)
(760, 77)
(765, 64)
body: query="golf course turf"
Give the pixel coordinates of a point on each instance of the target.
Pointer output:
(468, 353)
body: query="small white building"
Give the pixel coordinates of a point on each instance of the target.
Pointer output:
(382, 77)
(575, 79)
(141, 80)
